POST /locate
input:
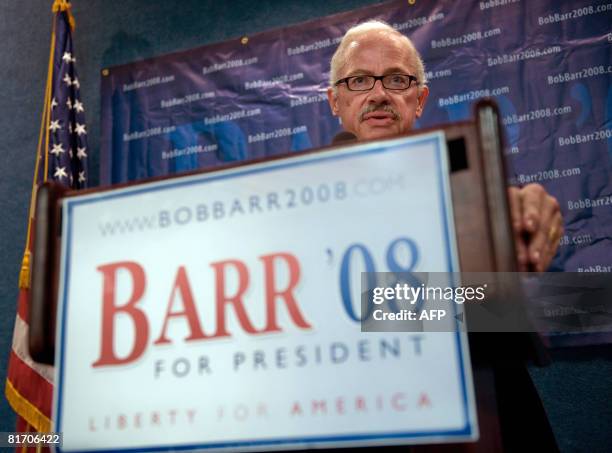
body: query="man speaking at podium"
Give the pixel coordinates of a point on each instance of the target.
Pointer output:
(378, 89)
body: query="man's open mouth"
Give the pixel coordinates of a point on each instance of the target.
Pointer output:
(379, 118)
(378, 115)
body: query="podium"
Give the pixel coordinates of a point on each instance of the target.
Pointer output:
(484, 244)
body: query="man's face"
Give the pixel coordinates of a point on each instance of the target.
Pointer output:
(379, 112)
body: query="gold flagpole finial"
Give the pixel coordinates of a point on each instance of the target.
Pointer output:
(64, 5)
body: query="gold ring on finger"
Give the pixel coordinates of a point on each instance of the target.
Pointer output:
(552, 234)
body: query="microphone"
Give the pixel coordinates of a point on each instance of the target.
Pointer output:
(343, 137)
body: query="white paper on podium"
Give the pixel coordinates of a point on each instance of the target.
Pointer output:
(165, 258)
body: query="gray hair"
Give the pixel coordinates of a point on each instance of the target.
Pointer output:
(339, 59)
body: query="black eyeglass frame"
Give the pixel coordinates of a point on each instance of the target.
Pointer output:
(411, 79)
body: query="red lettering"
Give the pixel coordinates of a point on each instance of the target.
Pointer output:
(319, 406)
(191, 415)
(424, 400)
(223, 300)
(360, 404)
(181, 288)
(122, 422)
(340, 405)
(110, 309)
(272, 293)
(181, 285)
(296, 409)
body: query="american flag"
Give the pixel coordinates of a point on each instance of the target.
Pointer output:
(62, 157)
(67, 144)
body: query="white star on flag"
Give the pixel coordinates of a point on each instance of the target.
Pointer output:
(69, 103)
(78, 106)
(80, 129)
(67, 79)
(53, 103)
(67, 57)
(57, 149)
(81, 176)
(60, 172)
(76, 83)
(81, 152)
(54, 126)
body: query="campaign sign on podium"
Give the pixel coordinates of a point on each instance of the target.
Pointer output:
(221, 310)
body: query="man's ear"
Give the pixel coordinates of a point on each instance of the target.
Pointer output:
(332, 98)
(421, 100)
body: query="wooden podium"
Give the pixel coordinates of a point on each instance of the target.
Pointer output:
(485, 243)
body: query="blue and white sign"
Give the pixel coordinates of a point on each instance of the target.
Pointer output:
(221, 310)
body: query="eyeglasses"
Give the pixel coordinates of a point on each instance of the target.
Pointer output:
(389, 81)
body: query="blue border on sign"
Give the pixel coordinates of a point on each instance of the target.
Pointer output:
(293, 161)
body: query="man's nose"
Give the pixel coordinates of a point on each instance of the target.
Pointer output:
(378, 92)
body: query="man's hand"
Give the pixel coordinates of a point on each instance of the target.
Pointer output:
(537, 225)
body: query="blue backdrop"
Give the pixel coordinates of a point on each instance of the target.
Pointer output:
(547, 63)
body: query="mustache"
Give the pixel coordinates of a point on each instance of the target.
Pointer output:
(378, 108)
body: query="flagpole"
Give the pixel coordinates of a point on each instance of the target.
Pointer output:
(29, 385)
(24, 274)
